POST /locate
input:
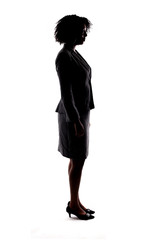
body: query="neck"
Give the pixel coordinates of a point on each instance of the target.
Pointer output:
(70, 46)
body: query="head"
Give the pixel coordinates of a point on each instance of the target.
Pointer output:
(72, 29)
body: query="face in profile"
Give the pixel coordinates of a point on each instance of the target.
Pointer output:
(81, 36)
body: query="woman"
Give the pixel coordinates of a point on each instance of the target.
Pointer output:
(74, 107)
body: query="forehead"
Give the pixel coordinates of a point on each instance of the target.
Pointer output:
(82, 28)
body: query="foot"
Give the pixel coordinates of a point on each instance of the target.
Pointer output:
(85, 216)
(87, 210)
(77, 208)
(82, 206)
(84, 209)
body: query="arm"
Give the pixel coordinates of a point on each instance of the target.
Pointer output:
(91, 105)
(64, 70)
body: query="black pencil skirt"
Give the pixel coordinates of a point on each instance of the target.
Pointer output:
(69, 145)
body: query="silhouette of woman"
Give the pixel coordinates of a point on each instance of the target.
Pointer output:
(75, 104)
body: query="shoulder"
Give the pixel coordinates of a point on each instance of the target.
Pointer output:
(63, 56)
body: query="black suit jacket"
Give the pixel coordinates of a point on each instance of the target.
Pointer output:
(75, 84)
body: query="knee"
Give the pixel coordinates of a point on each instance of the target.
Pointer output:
(77, 163)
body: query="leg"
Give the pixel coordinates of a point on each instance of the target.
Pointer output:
(69, 169)
(70, 166)
(75, 172)
(81, 204)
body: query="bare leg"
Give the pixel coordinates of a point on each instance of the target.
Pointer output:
(69, 169)
(75, 172)
(81, 204)
(70, 166)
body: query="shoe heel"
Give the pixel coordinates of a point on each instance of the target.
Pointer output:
(68, 211)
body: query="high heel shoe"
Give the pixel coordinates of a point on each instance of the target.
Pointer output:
(86, 210)
(87, 216)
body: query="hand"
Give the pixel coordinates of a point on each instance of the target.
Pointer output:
(79, 129)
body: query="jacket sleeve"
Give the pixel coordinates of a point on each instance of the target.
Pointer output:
(91, 104)
(65, 74)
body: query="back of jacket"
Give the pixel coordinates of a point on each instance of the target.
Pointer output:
(75, 84)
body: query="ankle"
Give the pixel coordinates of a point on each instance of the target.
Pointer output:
(74, 204)
(82, 206)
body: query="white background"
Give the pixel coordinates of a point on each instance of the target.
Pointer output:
(121, 175)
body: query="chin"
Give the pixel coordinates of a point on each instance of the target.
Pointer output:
(81, 41)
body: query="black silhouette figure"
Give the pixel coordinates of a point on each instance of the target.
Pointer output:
(74, 107)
